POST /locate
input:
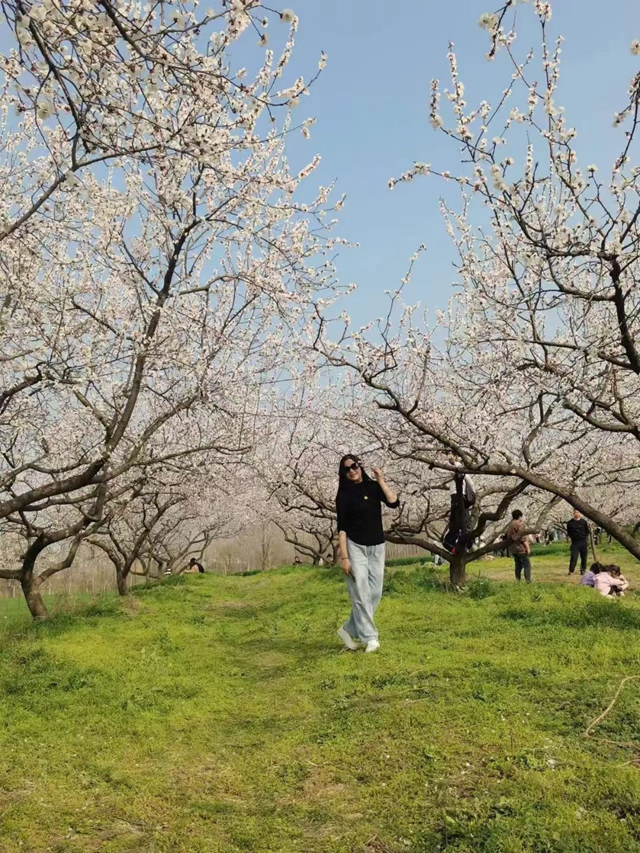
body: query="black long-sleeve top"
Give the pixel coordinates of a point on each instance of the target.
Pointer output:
(578, 530)
(360, 511)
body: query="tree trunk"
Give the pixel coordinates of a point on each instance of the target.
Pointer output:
(121, 581)
(457, 570)
(30, 584)
(593, 545)
(35, 602)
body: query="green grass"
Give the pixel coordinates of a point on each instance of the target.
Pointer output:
(14, 613)
(550, 563)
(215, 714)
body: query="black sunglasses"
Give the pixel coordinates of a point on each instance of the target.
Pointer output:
(353, 467)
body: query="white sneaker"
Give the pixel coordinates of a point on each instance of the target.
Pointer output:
(347, 639)
(372, 646)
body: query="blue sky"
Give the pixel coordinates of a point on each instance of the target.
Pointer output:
(372, 101)
(372, 109)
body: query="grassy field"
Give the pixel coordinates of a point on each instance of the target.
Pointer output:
(220, 714)
(14, 613)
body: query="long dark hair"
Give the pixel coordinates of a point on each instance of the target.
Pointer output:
(342, 474)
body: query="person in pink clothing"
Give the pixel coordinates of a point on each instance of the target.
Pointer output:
(610, 582)
(619, 579)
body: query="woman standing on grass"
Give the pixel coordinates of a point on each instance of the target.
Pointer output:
(361, 537)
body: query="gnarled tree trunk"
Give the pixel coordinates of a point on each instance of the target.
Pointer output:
(34, 599)
(121, 582)
(457, 570)
(30, 584)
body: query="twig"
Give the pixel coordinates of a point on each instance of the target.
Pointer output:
(600, 718)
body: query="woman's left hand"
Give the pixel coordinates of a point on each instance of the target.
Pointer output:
(377, 473)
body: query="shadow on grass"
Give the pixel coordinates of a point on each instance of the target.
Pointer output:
(38, 678)
(156, 586)
(277, 657)
(607, 614)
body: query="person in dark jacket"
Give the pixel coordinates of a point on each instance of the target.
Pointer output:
(578, 533)
(361, 536)
(463, 497)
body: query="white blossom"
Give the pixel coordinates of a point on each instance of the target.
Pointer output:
(488, 21)
(543, 9)
(45, 109)
(179, 18)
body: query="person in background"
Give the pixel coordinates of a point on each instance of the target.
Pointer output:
(578, 533)
(519, 545)
(589, 578)
(462, 492)
(297, 561)
(361, 537)
(621, 583)
(195, 567)
(503, 550)
(609, 581)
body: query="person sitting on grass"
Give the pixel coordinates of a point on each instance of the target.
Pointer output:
(609, 579)
(194, 567)
(619, 578)
(589, 578)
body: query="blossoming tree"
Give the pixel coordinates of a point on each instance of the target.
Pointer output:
(163, 250)
(531, 374)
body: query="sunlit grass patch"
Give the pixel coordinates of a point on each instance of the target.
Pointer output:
(221, 714)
